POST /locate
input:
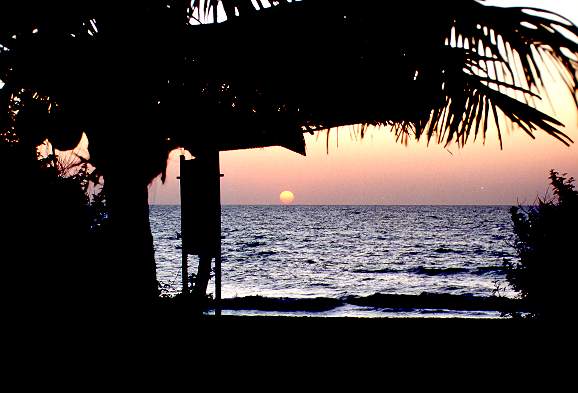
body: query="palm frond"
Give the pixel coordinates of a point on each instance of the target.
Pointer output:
(446, 71)
(471, 64)
(508, 50)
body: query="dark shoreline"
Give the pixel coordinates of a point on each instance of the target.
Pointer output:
(392, 302)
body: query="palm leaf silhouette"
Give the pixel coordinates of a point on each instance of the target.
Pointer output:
(446, 71)
(460, 65)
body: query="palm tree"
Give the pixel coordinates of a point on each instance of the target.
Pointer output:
(143, 77)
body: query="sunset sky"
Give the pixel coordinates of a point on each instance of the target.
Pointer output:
(377, 170)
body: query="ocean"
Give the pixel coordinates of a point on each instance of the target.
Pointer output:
(312, 259)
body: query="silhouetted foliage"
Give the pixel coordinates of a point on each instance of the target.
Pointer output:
(53, 223)
(545, 275)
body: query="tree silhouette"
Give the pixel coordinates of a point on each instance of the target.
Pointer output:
(143, 77)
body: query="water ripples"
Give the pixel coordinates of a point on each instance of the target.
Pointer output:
(336, 251)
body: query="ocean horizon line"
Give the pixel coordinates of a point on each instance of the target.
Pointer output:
(352, 204)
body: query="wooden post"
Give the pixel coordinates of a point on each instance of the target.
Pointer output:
(218, 248)
(184, 256)
(201, 220)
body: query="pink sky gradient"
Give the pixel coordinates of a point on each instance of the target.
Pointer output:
(377, 170)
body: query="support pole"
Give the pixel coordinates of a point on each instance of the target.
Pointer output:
(184, 262)
(218, 247)
(201, 220)
(185, 273)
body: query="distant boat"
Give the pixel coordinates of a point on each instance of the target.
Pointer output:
(178, 235)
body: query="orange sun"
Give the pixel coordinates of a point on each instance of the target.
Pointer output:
(286, 197)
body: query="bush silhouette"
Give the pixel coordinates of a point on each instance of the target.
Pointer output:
(546, 243)
(52, 227)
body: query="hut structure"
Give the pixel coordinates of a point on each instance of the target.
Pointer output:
(141, 78)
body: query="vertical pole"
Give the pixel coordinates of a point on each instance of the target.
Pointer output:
(184, 263)
(185, 273)
(218, 240)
